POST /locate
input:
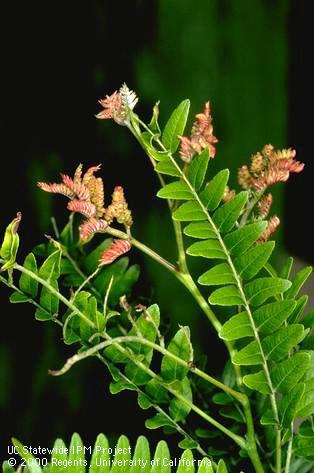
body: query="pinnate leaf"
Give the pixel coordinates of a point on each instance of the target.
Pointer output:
(175, 126)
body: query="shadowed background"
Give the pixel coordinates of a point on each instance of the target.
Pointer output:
(248, 57)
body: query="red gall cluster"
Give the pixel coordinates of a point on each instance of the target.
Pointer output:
(116, 249)
(272, 226)
(269, 167)
(201, 137)
(118, 105)
(86, 194)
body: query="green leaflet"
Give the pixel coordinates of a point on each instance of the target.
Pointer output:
(249, 355)
(59, 455)
(250, 263)
(146, 325)
(213, 193)
(238, 326)
(220, 274)
(286, 270)
(222, 467)
(306, 406)
(301, 303)
(76, 452)
(178, 409)
(50, 269)
(274, 346)
(34, 466)
(239, 241)
(261, 289)
(187, 463)
(167, 168)
(288, 405)
(277, 345)
(180, 346)
(156, 391)
(175, 126)
(178, 190)
(162, 455)
(270, 317)
(27, 284)
(257, 381)
(226, 216)
(159, 420)
(298, 281)
(201, 230)
(226, 296)
(99, 461)
(123, 455)
(141, 452)
(288, 373)
(207, 249)
(189, 212)
(197, 169)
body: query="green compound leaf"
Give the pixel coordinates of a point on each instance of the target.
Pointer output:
(217, 276)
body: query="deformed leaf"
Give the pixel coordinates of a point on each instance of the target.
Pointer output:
(27, 284)
(180, 346)
(177, 408)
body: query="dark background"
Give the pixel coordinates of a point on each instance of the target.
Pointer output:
(249, 57)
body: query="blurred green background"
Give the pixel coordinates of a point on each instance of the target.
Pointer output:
(245, 56)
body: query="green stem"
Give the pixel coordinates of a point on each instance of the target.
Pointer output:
(278, 450)
(289, 451)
